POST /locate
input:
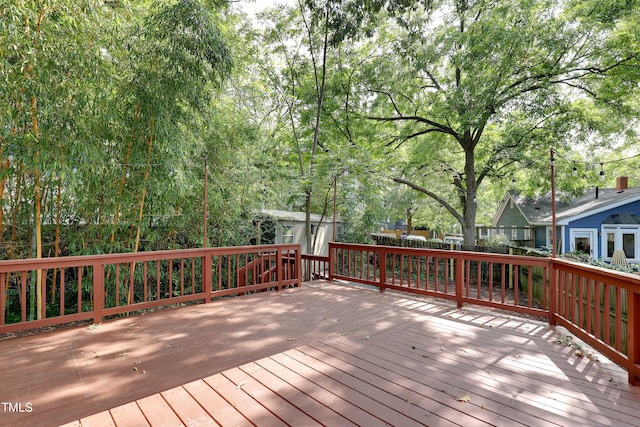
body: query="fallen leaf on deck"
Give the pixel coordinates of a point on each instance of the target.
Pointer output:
(291, 339)
(593, 357)
(464, 399)
(93, 326)
(138, 371)
(239, 386)
(368, 337)
(568, 342)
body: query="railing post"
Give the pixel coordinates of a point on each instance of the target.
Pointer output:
(279, 267)
(43, 293)
(207, 276)
(633, 336)
(298, 267)
(459, 280)
(553, 293)
(98, 291)
(332, 260)
(382, 256)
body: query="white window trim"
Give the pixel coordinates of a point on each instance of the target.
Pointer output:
(618, 230)
(292, 234)
(593, 235)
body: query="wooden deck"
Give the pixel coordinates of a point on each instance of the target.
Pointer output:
(323, 354)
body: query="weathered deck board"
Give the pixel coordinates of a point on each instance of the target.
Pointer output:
(325, 354)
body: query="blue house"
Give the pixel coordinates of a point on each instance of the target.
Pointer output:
(599, 223)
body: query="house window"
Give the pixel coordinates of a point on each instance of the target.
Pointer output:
(583, 244)
(514, 233)
(610, 243)
(527, 234)
(629, 244)
(626, 238)
(584, 240)
(287, 234)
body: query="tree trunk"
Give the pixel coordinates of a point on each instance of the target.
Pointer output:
(470, 200)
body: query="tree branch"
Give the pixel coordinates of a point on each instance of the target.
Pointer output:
(437, 126)
(433, 195)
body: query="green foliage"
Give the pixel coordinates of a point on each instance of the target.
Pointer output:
(109, 110)
(481, 95)
(126, 103)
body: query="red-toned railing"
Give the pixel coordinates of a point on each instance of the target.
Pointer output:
(51, 291)
(315, 267)
(602, 307)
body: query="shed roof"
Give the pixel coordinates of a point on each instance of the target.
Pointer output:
(294, 216)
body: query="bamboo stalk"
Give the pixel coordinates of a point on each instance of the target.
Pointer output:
(136, 116)
(142, 198)
(57, 238)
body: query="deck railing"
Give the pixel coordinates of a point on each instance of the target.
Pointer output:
(600, 306)
(51, 291)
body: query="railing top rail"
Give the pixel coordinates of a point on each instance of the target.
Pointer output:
(86, 260)
(600, 274)
(445, 253)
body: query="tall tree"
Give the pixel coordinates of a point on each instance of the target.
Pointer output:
(300, 41)
(474, 90)
(178, 57)
(49, 57)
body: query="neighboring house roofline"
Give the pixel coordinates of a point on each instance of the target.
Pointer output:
(508, 197)
(511, 197)
(568, 211)
(297, 216)
(588, 212)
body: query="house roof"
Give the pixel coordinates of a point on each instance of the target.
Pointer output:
(294, 216)
(537, 211)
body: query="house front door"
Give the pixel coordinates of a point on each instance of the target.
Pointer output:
(584, 240)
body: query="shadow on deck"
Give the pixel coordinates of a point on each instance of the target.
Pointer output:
(321, 354)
